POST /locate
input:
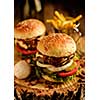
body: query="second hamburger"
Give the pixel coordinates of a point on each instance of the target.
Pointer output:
(26, 34)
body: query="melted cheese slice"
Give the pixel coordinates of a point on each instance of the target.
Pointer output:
(21, 44)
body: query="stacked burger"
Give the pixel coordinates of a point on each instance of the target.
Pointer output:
(26, 34)
(56, 57)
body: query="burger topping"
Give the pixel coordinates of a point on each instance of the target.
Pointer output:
(53, 68)
(21, 44)
(62, 76)
(56, 61)
(26, 44)
(65, 74)
(54, 74)
(69, 73)
(26, 52)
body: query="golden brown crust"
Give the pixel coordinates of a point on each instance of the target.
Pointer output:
(29, 28)
(57, 45)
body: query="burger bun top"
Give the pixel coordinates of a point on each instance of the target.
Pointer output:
(29, 28)
(57, 45)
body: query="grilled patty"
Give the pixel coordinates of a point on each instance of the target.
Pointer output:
(56, 61)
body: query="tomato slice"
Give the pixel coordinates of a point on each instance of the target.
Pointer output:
(26, 52)
(65, 74)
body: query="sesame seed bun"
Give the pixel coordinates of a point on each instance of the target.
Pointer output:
(29, 28)
(56, 45)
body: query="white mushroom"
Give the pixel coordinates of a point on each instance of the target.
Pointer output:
(22, 69)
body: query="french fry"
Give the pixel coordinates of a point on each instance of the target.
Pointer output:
(77, 18)
(54, 23)
(63, 18)
(64, 23)
(58, 15)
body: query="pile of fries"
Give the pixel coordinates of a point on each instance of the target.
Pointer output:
(62, 23)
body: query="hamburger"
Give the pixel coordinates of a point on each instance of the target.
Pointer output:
(26, 35)
(56, 57)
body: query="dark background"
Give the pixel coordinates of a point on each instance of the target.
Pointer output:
(73, 7)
